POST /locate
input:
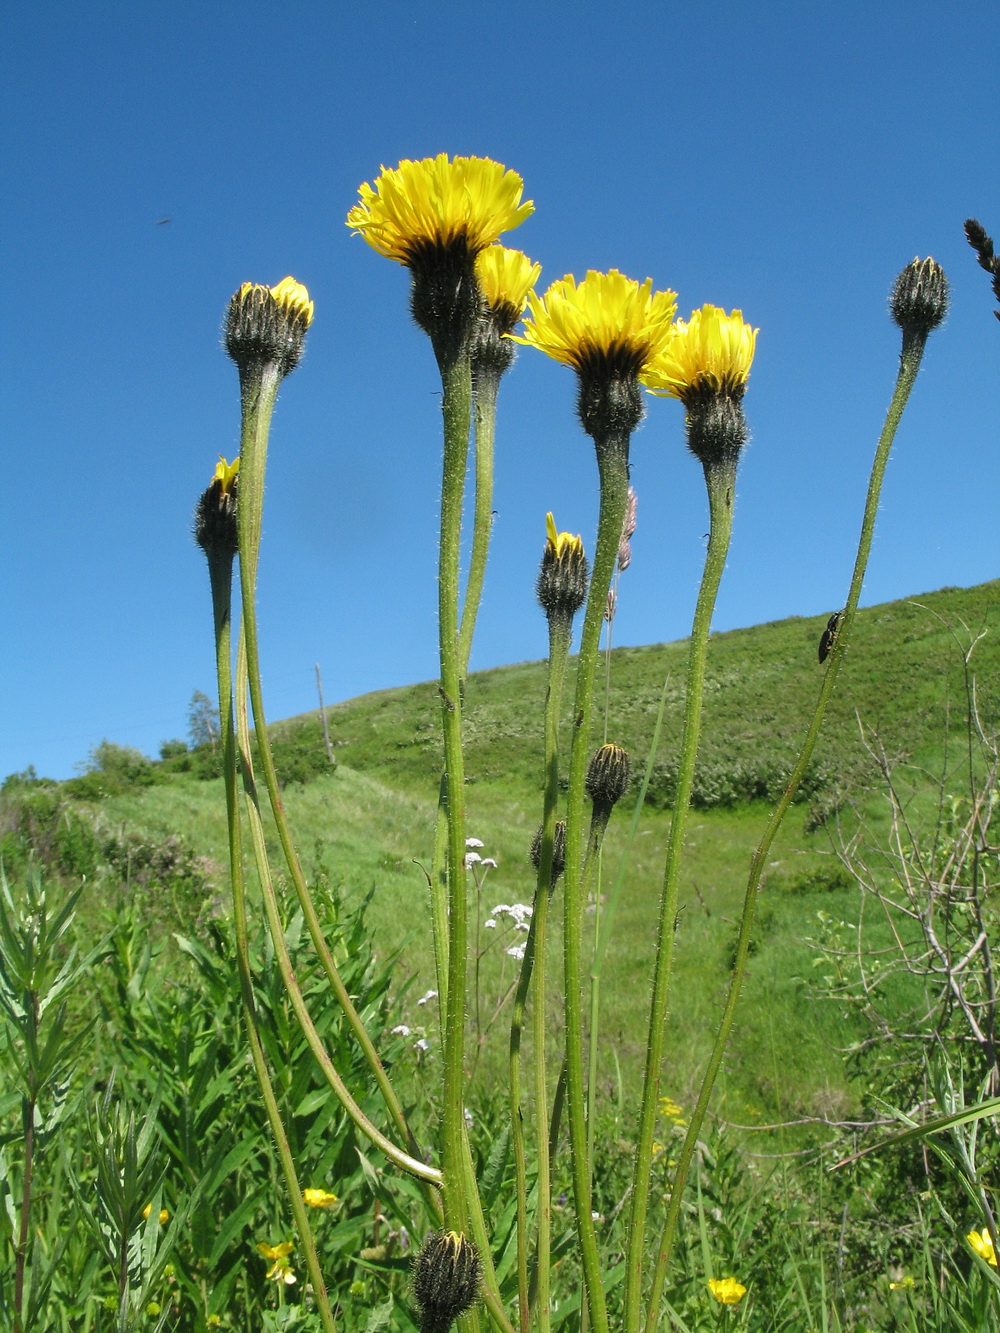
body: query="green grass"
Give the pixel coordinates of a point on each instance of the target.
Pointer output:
(369, 826)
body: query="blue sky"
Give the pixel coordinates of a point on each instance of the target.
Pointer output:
(785, 159)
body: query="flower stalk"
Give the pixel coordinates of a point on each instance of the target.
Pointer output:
(215, 531)
(705, 364)
(918, 305)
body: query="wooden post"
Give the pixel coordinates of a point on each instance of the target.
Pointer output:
(322, 713)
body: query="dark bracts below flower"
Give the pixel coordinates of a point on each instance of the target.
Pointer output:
(215, 527)
(446, 1279)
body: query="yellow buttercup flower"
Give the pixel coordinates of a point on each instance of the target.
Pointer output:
(506, 277)
(163, 1217)
(319, 1198)
(438, 203)
(982, 1243)
(281, 1269)
(561, 544)
(226, 474)
(727, 1290)
(606, 319)
(711, 351)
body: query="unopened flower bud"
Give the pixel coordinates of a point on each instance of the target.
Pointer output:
(607, 778)
(562, 579)
(558, 852)
(919, 300)
(266, 326)
(215, 515)
(446, 1280)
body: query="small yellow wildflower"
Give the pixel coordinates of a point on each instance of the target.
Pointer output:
(982, 1243)
(902, 1284)
(727, 1290)
(438, 203)
(606, 318)
(319, 1198)
(712, 350)
(164, 1216)
(671, 1111)
(226, 473)
(506, 277)
(561, 544)
(281, 1268)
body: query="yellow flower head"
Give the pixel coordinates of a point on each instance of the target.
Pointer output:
(727, 1290)
(982, 1243)
(561, 544)
(319, 1198)
(281, 1269)
(163, 1217)
(711, 351)
(505, 278)
(438, 204)
(226, 474)
(290, 297)
(607, 319)
(267, 325)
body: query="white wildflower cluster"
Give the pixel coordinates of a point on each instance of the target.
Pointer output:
(516, 951)
(401, 1030)
(519, 913)
(472, 857)
(427, 997)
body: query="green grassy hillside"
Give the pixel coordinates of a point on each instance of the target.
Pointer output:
(904, 677)
(368, 825)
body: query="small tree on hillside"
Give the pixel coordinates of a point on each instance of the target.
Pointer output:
(203, 721)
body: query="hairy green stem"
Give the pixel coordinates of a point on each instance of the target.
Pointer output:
(612, 461)
(220, 572)
(721, 481)
(487, 385)
(913, 348)
(405, 1161)
(456, 409)
(259, 389)
(606, 918)
(560, 631)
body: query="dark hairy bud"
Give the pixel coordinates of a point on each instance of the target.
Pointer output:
(266, 326)
(607, 778)
(446, 1280)
(558, 852)
(215, 527)
(562, 578)
(919, 300)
